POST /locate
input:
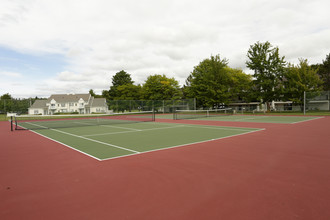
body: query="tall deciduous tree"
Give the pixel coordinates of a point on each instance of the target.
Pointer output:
(268, 67)
(119, 79)
(240, 86)
(159, 87)
(129, 92)
(299, 79)
(209, 82)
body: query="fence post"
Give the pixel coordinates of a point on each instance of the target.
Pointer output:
(304, 102)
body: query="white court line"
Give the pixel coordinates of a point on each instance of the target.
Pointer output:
(36, 125)
(182, 145)
(221, 128)
(61, 142)
(111, 126)
(84, 123)
(136, 152)
(306, 120)
(122, 132)
(100, 142)
(254, 118)
(67, 146)
(118, 132)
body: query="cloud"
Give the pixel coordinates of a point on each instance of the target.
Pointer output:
(10, 74)
(68, 76)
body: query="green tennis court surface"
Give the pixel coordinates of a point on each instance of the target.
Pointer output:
(248, 118)
(110, 141)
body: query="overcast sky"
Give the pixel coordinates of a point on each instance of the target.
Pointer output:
(71, 46)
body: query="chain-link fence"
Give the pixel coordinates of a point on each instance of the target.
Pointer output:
(19, 106)
(160, 106)
(317, 101)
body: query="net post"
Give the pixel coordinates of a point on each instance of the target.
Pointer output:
(15, 123)
(11, 123)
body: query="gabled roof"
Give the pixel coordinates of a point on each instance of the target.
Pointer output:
(69, 97)
(98, 102)
(39, 104)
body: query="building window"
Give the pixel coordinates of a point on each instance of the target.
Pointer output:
(36, 112)
(63, 104)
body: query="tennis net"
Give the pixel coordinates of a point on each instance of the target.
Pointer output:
(194, 114)
(31, 122)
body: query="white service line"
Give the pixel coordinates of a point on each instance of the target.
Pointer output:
(222, 128)
(183, 145)
(100, 142)
(306, 120)
(121, 132)
(36, 125)
(111, 126)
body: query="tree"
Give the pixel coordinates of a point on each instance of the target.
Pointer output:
(105, 94)
(299, 79)
(91, 92)
(129, 92)
(240, 86)
(119, 79)
(159, 87)
(324, 72)
(268, 67)
(209, 82)
(6, 96)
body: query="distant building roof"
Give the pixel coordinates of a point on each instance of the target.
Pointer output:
(69, 97)
(64, 98)
(39, 104)
(98, 102)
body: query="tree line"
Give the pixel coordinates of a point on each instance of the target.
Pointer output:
(212, 82)
(10, 104)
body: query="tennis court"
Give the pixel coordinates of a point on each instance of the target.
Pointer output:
(106, 141)
(254, 169)
(228, 115)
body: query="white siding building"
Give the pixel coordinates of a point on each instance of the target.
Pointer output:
(69, 103)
